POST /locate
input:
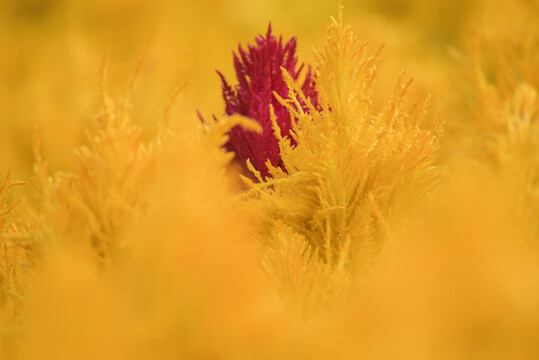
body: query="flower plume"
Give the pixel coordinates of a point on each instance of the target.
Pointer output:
(259, 76)
(346, 163)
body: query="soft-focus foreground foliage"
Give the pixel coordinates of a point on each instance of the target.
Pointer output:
(128, 234)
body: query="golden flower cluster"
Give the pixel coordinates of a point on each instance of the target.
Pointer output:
(383, 229)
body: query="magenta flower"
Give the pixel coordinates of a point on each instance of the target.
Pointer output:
(259, 75)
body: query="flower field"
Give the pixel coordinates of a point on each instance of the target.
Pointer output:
(269, 179)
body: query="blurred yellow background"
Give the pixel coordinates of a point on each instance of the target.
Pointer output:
(52, 51)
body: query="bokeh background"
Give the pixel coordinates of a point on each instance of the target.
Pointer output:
(52, 52)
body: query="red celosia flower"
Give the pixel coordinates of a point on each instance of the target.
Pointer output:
(258, 71)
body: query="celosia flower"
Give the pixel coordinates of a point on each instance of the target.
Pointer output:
(325, 217)
(259, 75)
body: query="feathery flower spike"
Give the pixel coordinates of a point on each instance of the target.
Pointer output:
(259, 76)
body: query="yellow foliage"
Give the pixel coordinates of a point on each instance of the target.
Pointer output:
(350, 163)
(187, 285)
(502, 132)
(17, 256)
(93, 205)
(16, 247)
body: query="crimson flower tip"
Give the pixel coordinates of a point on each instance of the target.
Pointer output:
(259, 78)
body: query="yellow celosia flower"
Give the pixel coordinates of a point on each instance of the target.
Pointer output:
(94, 205)
(349, 164)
